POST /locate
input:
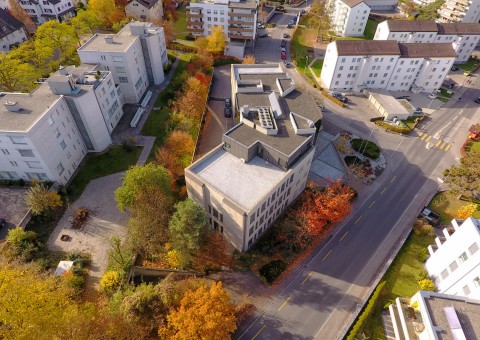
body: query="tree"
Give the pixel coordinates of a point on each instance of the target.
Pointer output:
(40, 200)
(37, 55)
(21, 15)
(106, 11)
(60, 37)
(16, 76)
(216, 41)
(248, 59)
(465, 179)
(193, 92)
(430, 11)
(120, 256)
(205, 313)
(85, 21)
(138, 178)
(203, 61)
(201, 44)
(168, 29)
(110, 281)
(188, 227)
(176, 153)
(466, 211)
(22, 243)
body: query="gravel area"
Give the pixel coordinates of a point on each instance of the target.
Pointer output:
(105, 221)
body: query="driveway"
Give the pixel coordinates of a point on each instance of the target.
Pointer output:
(12, 207)
(105, 221)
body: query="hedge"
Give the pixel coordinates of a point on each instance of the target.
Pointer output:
(366, 147)
(393, 128)
(333, 99)
(366, 312)
(272, 270)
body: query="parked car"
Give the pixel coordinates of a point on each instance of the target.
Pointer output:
(340, 97)
(432, 96)
(260, 25)
(467, 73)
(292, 22)
(283, 55)
(228, 102)
(285, 35)
(284, 43)
(477, 100)
(454, 68)
(404, 97)
(290, 26)
(262, 35)
(287, 64)
(3, 223)
(227, 112)
(283, 50)
(321, 107)
(419, 109)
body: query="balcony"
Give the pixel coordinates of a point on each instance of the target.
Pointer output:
(239, 36)
(232, 28)
(194, 29)
(194, 14)
(194, 23)
(241, 15)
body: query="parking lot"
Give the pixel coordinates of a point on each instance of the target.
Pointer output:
(12, 207)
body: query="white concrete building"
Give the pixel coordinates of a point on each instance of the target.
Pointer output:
(382, 5)
(43, 10)
(454, 262)
(144, 10)
(45, 134)
(434, 316)
(12, 32)
(355, 65)
(135, 56)
(463, 37)
(466, 11)
(349, 17)
(237, 17)
(263, 163)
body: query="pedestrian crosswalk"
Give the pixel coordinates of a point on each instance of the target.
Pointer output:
(436, 143)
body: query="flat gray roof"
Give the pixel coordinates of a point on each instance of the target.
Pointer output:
(229, 175)
(269, 80)
(302, 104)
(121, 41)
(388, 102)
(33, 105)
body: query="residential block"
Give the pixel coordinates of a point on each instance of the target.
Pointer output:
(466, 11)
(349, 17)
(12, 32)
(144, 10)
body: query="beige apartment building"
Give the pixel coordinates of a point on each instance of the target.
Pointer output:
(263, 162)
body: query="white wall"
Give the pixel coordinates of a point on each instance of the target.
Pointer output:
(15, 37)
(356, 21)
(137, 11)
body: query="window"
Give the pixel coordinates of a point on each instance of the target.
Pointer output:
(8, 175)
(463, 257)
(466, 290)
(138, 83)
(453, 266)
(60, 169)
(5, 151)
(57, 133)
(444, 274)
(63, 145)
(26, 153)
(340, 68)
(343, 60)
(34, 165)
(50, 121)
(473, 248)
(18, 139)
(123, 79)
(117, 58)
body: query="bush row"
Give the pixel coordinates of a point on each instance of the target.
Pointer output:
(393, 128)
(184, 48)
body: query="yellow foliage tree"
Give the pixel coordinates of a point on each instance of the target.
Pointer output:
(204, 313)
(106, 11)
(466, 211)
(110, 281)
(248, 59)
(173, 259)
(216, 41)
(40, 200)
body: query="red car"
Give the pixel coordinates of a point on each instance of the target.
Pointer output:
(283, 55)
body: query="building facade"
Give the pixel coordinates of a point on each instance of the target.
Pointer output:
(42, 11)
(144, 10)
(46, 134)
(466, 11)
(355, 66)
(263, 162)
(135, 56)
(464, 37)
(349, 17)
(238, 19)
(382, 5)
(12, 32)
(454, 262)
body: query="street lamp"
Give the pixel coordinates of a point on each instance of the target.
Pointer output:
(306, 62)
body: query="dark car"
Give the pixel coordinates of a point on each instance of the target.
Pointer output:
(227, 112)
(3, 223)
(340, 97)
(284, 43)
(477, 100)
(228, 102)
(263, 35)
(419, 109)
(289, 26)
(285, 35)
(405, 97)
(287, 64)
(454, 68)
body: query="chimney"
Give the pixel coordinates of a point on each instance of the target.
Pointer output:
(12, 106)
(62, 71)
(109, 39)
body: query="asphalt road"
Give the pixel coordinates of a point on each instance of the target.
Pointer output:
(321, 299)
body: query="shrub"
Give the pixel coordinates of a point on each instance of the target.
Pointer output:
(427, 230)
(79, 218)
(333, 99)
(393, 128)
(22, 243)
(422, 255)
(73, 281)
(426, 284)
(80, 260)
(110, 281)
(365, 147)
(422, 274)
(272, 270)
(350, 160)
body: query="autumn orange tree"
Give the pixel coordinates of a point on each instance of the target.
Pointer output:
(176, 153)
(21, 15)
(194, 93)
(204, 313)
(324, 206)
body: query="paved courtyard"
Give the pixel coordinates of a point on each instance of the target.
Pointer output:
(104, 222)
(12, 207)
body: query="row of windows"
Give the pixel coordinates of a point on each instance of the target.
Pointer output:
(454, 265)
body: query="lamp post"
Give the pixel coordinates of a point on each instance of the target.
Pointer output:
(306, 62)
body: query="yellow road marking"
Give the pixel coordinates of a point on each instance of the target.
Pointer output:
(260, 331)
(393, 179)
(438, 143)
(448, 147)
(423, 137)
(383, 191)
(358, 219)
(443, 145)
(371, 204)
(429, 137)
(326, 255)
(283, 304)
(420, 134)
(344, 236)
(305, 279)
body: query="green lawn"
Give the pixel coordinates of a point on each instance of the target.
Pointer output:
(181, 24)
(444, 96)
(317, 67)
(445, 203)
(472, 146)
(401, 282)
(302, 41)
(370, 29)
(469, 65)
(117, 158)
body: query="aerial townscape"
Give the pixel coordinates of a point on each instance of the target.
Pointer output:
(240, 169)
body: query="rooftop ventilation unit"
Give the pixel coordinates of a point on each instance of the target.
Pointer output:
(265, 118)
(12, 106)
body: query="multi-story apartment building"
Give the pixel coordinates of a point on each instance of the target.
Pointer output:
(43, 10)
(263, 162)
(355, 65)
(11, 31)
(237, 17)
(454, 262)
(45, 134)
(434, 316)
(463, 37)
(144, 10)
(382, 5)
(466, 11)
(348, 17)
(135, 56)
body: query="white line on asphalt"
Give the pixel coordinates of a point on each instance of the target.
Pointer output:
(327, 255)
(371, 204)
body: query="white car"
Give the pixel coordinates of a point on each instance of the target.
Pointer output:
(432, 96)
(283, 50)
